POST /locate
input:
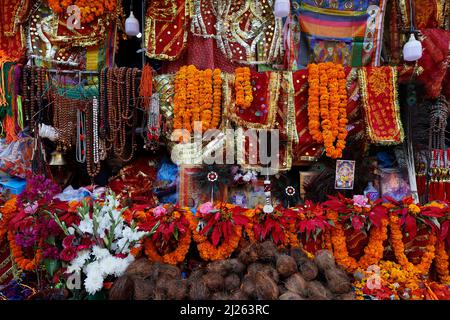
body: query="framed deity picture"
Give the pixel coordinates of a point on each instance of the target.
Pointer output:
(345, 174)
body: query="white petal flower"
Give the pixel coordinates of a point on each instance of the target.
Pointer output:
(86, 226)
(71, 230)
(77, 263)
(93, 281)
(99, 252)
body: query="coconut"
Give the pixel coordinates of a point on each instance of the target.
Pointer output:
(297, 284)
(235, 266)
(267, 251)
(266, 288)
(308, 269)
(338, 281)
(324, 260)
(213, 281)
(238, 295)
(176, 289)
(289, 295)
(165, 271)
(232, 282)
(198, 291)
(346, 296)
(286, 266)
(248, 255)
(219, 266)
(143, 290)
(141, 267)
(122, 289)
(316, 291)
(220, 296)
(281, 289)
(253, 268)
(248, 286)
(298, 255)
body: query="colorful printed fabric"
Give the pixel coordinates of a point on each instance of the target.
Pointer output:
(381, 109)
(426, 13)
(166, 29)
(345, 32)
(12, 14)
(245, 31)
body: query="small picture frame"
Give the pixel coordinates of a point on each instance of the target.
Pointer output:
(345, 175)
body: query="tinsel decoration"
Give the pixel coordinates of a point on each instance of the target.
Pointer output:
(438, 173)
(201, 176)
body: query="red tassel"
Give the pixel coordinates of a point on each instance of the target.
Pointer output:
(447, 190)
(440, 192)
(421, 184)
(431, 191)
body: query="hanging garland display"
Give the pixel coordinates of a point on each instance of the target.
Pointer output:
(198, 96)
(327, 103)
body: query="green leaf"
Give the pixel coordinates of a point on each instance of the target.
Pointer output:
(175, 233)
(51, 266)
(331, 222)
(51, 240)
(155, 227)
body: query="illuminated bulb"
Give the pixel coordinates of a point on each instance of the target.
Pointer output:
(132, 25)
(412, 51)
(282, 8)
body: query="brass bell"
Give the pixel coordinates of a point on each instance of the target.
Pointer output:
(57, 159)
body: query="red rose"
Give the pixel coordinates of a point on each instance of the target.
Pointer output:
(68, 254)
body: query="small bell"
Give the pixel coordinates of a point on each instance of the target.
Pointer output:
(57, 159)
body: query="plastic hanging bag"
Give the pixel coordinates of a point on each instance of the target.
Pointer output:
(15, 159)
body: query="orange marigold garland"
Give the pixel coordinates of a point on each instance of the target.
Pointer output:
(231, 219)
(198, 97)
(373, 252)
(173, 233)
(89, 9)
(17, 252)
(6, 214)
(192, 91)
(217, 98)
(206, 98)
(442, 262)
(176, 256)
(179, 102)
(243, 87)
(327, 106)
(399, 248)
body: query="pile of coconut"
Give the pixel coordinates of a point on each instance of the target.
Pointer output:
(259, 272)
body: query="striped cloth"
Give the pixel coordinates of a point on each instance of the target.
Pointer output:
(341, 31)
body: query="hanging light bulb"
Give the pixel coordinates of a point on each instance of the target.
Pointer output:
(131, 23)
(282, 8)
(412, 51)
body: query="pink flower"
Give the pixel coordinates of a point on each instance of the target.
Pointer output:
(361, 201)
(31, 208)
(68, 254)
(205, 208)
(159, 211)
